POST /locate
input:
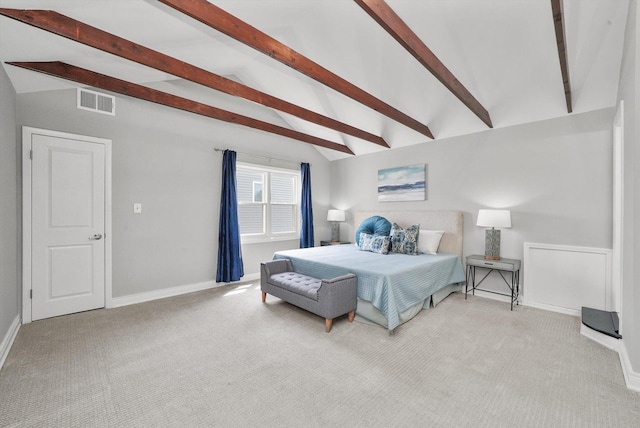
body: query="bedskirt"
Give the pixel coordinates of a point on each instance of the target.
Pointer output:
(368, 313)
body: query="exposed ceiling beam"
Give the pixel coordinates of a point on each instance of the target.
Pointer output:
(399, 30)
(239, 30)
(97, 80)
(77, 31)
(558, 21)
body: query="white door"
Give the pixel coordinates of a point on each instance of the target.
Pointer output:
(67, 225)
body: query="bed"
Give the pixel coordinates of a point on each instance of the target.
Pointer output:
(392, 288)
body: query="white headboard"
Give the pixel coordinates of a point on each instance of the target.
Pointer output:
(449, 221)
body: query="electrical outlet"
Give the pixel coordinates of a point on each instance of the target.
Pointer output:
(137, 208)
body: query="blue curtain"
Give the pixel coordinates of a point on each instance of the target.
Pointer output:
(230, 266)
(306, 233)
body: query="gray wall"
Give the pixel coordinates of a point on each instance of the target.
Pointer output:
(628, 92)
(555, 176)
(10, 209)
(165, 159)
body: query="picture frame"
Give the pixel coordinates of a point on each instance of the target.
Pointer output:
(404, 183)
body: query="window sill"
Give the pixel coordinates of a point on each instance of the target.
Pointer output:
(264, 240)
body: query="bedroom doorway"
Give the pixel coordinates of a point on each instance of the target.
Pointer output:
(66, 218)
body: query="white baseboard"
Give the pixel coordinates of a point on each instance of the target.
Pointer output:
(132, 299)
(631, 378)
(551, 308)
(602, 339)
(5, 346)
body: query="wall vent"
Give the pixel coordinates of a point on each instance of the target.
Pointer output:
(97, 102)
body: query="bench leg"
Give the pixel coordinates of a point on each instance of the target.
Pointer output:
(327, 325)
(264, 296)
(352, 315)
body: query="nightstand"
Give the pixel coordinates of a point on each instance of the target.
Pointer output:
(503, 265)
(325, 243)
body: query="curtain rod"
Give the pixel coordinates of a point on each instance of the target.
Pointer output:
(262, 157)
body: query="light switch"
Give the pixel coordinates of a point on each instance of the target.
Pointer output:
(137, 208)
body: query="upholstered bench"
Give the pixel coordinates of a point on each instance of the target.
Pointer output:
(328, 298)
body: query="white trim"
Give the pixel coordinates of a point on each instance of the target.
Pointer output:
(108, 229)
(268, 235)
(260, 239)
(148, 296)
(527, 300)
(551, 308)
(26, 224)
(631, 378)
(7, 342)
(617, 252)
(602, 339)
(27, 132)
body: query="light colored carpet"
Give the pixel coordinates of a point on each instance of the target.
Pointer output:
(222, 358)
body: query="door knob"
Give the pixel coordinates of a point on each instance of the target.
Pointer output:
(95, 237)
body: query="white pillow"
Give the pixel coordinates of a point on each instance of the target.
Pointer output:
(429, 241)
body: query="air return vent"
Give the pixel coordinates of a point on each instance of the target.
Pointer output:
(97, 102)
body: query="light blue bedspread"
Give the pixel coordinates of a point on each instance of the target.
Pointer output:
(392, 283)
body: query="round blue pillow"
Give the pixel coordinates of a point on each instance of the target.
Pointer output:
(374, 225)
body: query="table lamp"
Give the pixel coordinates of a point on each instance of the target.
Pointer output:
(335, 216)
(493, 219)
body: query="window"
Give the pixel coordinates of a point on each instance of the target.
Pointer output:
(268, 203)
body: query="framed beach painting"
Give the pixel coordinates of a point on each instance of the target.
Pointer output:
(404, 183)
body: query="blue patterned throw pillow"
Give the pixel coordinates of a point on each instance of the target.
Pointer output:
(374, 243)
(404, 241)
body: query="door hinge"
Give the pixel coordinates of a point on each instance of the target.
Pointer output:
(31, 294)
(31, 154)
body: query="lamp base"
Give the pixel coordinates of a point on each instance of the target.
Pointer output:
(335, 231)
(492, 244)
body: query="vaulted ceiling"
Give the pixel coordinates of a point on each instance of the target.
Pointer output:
(349, 76)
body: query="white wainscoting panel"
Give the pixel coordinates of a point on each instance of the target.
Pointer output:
(565, 278)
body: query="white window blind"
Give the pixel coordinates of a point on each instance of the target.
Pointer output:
(251, 215)
(268, 203)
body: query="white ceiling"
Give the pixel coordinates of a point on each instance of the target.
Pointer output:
(503, 51)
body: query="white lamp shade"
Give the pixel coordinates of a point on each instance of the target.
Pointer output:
(335, 215)
(494, 218)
